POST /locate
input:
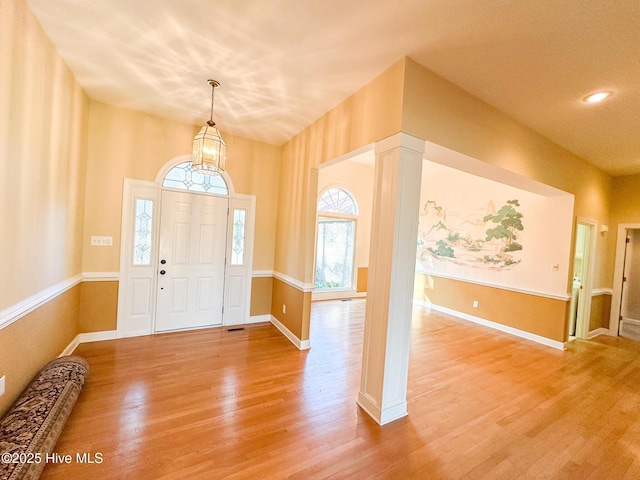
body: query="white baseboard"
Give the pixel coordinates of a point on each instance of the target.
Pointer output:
(497, 326)
(87, 338)
(98, 336)
(300, 344)
(381, 416)
(71, 347)
(113, 334)
(259, 318)
(598, 331)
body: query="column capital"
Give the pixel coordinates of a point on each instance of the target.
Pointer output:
(400, 139)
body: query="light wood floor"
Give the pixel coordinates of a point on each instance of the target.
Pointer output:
(214, 404)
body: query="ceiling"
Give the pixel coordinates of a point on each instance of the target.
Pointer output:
(283, 63)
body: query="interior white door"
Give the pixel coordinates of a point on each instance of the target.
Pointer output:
(191, 265)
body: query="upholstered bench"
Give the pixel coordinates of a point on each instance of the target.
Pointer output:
(31, 427)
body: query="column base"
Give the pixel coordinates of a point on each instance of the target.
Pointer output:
(385, 415)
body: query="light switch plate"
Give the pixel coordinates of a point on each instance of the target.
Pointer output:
(101, 241)
(2, 385)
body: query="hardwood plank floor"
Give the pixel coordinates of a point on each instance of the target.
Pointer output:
(484, 405)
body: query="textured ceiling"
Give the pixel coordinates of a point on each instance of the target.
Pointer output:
(283, 63)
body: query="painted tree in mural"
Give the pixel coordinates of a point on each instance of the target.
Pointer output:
(508, 225)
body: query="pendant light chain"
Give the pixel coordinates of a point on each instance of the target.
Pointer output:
(213, 93)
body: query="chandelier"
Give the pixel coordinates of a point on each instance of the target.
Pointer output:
(209, 150)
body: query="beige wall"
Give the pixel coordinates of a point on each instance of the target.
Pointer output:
(37, 338)
(440, 112)
(98, 306)
(538, 315)
(600, 309)
(64, 158)
(63, 161)
(254, 168)
(43, 144)
(122, 144)
(43, 160)
(298, 306)
(435, 110)
(128, 144)
(626, 201)
(261, 294)
(625, 208)
(372, 113)
(363, 280)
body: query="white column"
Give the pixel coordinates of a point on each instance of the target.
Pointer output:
(392, 258)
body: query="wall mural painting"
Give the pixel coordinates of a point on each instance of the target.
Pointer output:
(483, 237)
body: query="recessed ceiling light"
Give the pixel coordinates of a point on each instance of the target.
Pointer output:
(597, 97)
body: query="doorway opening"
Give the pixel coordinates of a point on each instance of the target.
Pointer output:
(580, 309)
(335, 244)
(624, 315)
(629, 314)
(343, 227)
(186, 252)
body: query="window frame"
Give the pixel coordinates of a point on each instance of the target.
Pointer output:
(338, 216)
(187, 189)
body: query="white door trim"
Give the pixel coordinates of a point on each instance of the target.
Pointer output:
(187, 158)
(136, 309)
(584, 301)
(238, 278)
(618, 272)
(151, 189)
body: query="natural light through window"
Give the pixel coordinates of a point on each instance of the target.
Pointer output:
(337, 214)
(142, 233)
(237, 247)
(184, 177)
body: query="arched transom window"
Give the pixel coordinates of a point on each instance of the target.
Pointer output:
(337, 200)
(184, 177)
(337, 214)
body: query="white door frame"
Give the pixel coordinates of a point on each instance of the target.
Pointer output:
(136, 284)
(584, 301)
(129, 321)
(618, 272)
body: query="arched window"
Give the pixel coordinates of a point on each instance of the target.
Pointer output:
(337, 200)
(184, 177)
(337, 214)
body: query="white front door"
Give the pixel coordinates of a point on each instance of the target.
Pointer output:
(191, 261)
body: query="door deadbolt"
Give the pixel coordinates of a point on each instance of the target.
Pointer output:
(163, 262)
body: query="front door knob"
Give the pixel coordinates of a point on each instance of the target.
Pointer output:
(162, 272)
